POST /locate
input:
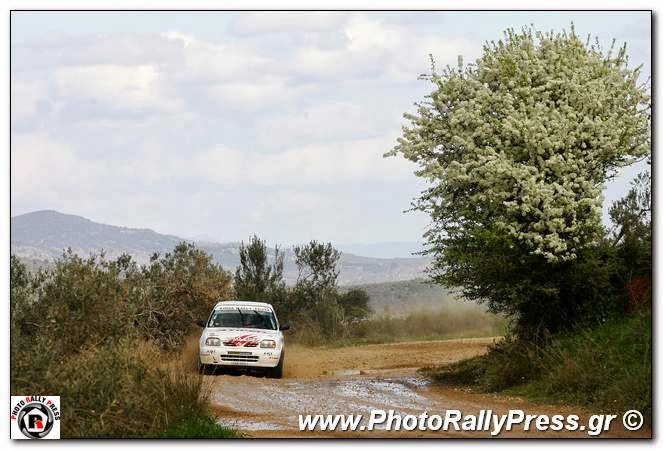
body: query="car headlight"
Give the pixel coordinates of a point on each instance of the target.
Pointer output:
(213, 342)
(267, 343)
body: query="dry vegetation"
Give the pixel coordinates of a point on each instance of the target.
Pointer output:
(107, 336)
(444, 322)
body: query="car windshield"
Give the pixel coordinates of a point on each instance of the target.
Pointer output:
(228, 317)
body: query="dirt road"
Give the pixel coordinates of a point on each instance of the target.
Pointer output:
(356, 380)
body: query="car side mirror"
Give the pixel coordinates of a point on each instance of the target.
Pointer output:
(200, 323)
(284, 327)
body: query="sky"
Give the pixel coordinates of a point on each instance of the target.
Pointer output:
(219, 125)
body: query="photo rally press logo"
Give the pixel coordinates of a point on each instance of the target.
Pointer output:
(35, 417)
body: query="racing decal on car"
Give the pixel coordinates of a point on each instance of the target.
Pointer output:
(235, 307)
(245, 340)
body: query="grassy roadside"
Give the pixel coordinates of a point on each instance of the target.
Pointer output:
(390, 339)
(421, 325)
(607, 368)
(198, 427)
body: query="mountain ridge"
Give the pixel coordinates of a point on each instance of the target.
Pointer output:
(44, 234)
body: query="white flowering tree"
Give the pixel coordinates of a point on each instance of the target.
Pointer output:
(516, 148)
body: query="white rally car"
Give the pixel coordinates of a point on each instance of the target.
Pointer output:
(242, 334)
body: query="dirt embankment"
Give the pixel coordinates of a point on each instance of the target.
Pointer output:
(356, 380)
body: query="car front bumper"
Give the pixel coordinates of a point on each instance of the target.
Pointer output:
(240, 357)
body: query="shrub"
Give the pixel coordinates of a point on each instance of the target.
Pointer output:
(176, 289)
(78, 303)
(255, 277)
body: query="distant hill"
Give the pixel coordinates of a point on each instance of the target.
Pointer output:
(384, 249)
(43, 235)
(401, 297)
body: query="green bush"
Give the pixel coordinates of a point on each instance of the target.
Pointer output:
(177, 289)
(78, 303)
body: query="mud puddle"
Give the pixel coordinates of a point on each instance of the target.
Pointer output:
(258, 404)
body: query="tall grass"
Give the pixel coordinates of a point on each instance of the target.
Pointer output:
(607, 368)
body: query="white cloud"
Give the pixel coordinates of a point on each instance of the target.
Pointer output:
(321, 163)
(287, 22)
(364, 34)
(256, 93)
(175, 72)
(338, 121)
(48, 172)
(299, 201)
(25, 98)
(204, 61)
(124, 87)
(383, 50)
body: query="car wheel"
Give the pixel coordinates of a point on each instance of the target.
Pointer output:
(277, 372)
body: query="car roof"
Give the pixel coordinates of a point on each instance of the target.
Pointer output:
(243, 303)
